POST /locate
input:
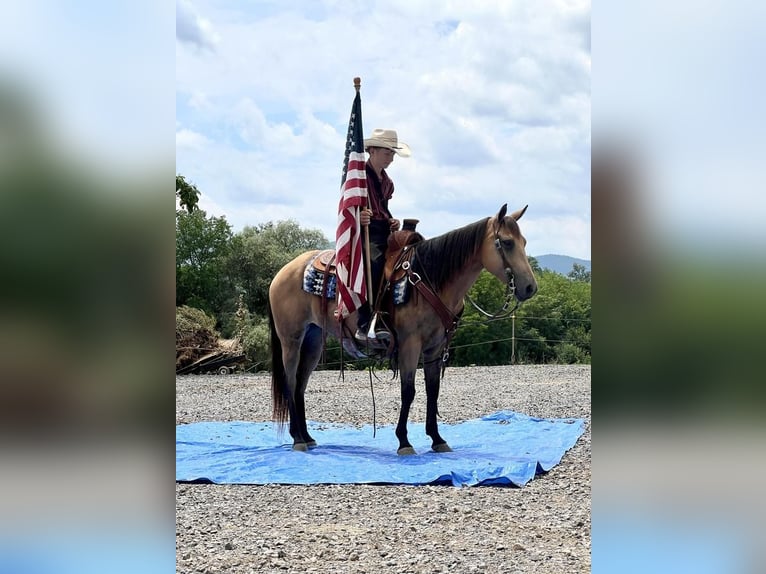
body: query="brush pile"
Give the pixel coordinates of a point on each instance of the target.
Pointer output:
(196, 336)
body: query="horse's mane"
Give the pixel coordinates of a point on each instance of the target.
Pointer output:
(438, 259)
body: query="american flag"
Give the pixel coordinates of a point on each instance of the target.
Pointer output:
(348, 238)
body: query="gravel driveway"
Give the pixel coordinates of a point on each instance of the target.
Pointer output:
(542, 527)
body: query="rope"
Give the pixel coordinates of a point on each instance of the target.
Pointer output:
(520, 318)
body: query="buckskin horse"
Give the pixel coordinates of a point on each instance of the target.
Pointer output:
(440, 271)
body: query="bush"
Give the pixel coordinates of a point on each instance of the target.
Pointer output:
(256, 344)
(569, 354)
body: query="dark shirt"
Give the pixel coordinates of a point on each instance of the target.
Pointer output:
(379, 192)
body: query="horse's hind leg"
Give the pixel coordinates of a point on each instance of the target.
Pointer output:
(432, 371)
(311, 352)
(291, 356)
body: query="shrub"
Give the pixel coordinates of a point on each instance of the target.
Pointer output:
(569, 354)
(256, 344)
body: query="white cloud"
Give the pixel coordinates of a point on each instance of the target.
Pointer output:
(493, 98)
(193, 29)
(190, 140)
(561, 235)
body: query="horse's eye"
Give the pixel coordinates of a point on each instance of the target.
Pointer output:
(507, 244)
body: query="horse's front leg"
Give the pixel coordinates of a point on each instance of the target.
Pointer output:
(408, 395)
(432, 371)
(408, 362)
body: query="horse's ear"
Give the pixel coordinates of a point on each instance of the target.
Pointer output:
(517, 214)
(502, 212)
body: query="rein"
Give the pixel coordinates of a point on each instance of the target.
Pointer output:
(503, 313)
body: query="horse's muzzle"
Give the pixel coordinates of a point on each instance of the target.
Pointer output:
(526, 292)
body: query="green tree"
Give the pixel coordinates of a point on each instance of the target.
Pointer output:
(559, 313)
(535, 265)
(553, 326)
(579, 273)
(479, 341)
(258, 253)
(203, 245)
(187, 193)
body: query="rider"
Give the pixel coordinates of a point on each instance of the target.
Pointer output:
(381, 147)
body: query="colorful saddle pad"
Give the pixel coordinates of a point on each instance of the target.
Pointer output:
(313, 280)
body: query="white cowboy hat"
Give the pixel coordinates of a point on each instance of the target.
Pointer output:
(388, 140)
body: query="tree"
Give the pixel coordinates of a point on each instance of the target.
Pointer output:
(579, 273)
(202, 248)
(187, 193)
(258, 253)
(479, 341)
(553, 326)
(289, 237)
(535, 265)
(559, 313)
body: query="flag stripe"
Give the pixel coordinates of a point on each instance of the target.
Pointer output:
(352, 291)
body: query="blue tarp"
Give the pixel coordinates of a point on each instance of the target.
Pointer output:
(504, 448)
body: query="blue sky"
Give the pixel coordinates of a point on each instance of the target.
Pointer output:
(492, 96)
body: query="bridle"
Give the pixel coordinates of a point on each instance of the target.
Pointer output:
(510, 285)
(448, 318)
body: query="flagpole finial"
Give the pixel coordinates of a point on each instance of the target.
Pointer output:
(357, 83)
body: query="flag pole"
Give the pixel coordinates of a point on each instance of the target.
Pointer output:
(368, 265)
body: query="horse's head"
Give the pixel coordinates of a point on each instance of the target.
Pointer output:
(504, 255)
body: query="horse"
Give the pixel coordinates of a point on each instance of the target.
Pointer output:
(445, 266)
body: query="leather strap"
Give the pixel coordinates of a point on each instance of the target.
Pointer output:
(448, 318)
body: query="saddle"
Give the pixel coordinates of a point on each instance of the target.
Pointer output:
(325, 261)
(397, 252)
(398, 241)
(320, 276)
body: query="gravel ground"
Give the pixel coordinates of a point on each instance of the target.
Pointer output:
(542, 527)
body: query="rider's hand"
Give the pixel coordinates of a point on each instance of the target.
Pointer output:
(365, 216)
(394, 223)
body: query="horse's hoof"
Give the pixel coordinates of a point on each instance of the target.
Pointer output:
(311, 444)
(406, 451)
(444, 447)
(300, 446)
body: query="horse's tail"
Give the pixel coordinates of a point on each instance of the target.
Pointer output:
(280, 410)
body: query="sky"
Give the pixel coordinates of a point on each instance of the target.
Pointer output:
(493, 97)
(674, 90)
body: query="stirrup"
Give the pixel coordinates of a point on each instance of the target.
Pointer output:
(381, 340)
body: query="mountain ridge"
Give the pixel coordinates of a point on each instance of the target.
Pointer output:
(560, 263)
